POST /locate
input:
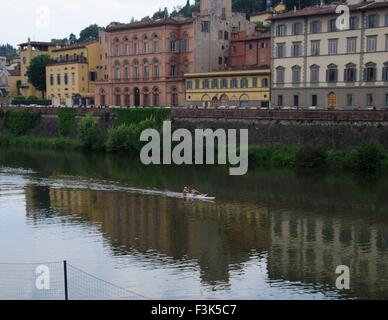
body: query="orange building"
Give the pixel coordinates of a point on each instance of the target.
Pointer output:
(251, 50)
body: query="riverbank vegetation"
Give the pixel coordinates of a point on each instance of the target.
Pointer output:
(123, 138)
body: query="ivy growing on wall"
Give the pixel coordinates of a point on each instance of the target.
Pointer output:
(19, 122)
(66, 121)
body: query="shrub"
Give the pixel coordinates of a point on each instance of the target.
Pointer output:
(90, 134)
(18, 122)
(66, 121)
(309, 157)
(33, 98)
(29, 102)
(368, 156)
(126, 137)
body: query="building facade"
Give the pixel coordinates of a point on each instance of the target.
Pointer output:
(229, 88)
(316, 65)
(146, 60)
(70, 78)
(28, 51)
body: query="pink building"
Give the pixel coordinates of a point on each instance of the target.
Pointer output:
(146, 62)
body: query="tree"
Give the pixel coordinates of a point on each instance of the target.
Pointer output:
(7, 50)
(72, 38)
(89, 33)
(36, 72)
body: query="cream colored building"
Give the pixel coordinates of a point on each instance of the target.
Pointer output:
(70, 79)
(316, 65)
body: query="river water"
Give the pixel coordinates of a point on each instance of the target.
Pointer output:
(272, 234)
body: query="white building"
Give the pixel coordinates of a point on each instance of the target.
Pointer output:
(316, 65)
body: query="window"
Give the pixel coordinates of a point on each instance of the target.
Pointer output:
(226, 35)
(58, 79)
(371, 43)
(220, 35)
(145, 46)
(331, 27)
(280, 50)
(349, 100)
(353, 23)
(156, 46)
(315, 26)
(220, 60)
(372, 21)
(173, 70)
(262, 45)
(281, 30)
(296, 49)
(370, 72)
(135, 48)
(333, 45)
(296, 100)
(315, 47)
(386, 100)
(92, 76)
(185, 45)
(386, 42)
(174, 46)
(233, 83)
(126, 72)
(136, 71)
(244, 83)
(117, 73)
(224, 84)
(126, 49)
(223, 14)
(350, 74)
(250, 46)
(385, 72)
(205, 84)
(254, 82)
(280, 100)
(265, 83)
(296, 74)
(369, 100)
(73, 79)
(214, 84)
(155, 71)
(117, 49)
(280, 75)
(297, 28)
(332, 73)
(146, 71)
(314, 100)
(189, 85)
(351, 46)
(197, 84)
(51, 80)
(205, 26)
(314, 73)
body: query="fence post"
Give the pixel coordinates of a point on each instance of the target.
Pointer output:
(65, 279)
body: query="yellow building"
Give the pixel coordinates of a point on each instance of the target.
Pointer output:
(70, 79)
(29, 51)
(14, 82)
(237, 88)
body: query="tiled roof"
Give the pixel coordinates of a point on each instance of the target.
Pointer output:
(148, 23)
(313, 11)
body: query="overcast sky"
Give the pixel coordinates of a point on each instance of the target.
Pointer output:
(46, 19)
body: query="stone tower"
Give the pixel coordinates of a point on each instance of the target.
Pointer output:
(222, 8)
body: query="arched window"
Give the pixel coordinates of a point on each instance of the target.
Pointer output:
(155, 97)
(370, 71)
(117, 46)
(350, 73)
(145, 44)
(174, 97)
(314, 73)
(173, 68)
(296, 74)
(155, 43)
(185, 42)
(117, 70)
(136, 73)
(127, 101)
(117, 97)
(280, 75)
(332, 73)
(126, 70)
(135, 46)
(146, 69)
(146, 101)
(155, 68)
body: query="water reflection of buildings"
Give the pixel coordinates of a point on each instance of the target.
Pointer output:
(216, 236)
(308, 248)
(302, 246)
